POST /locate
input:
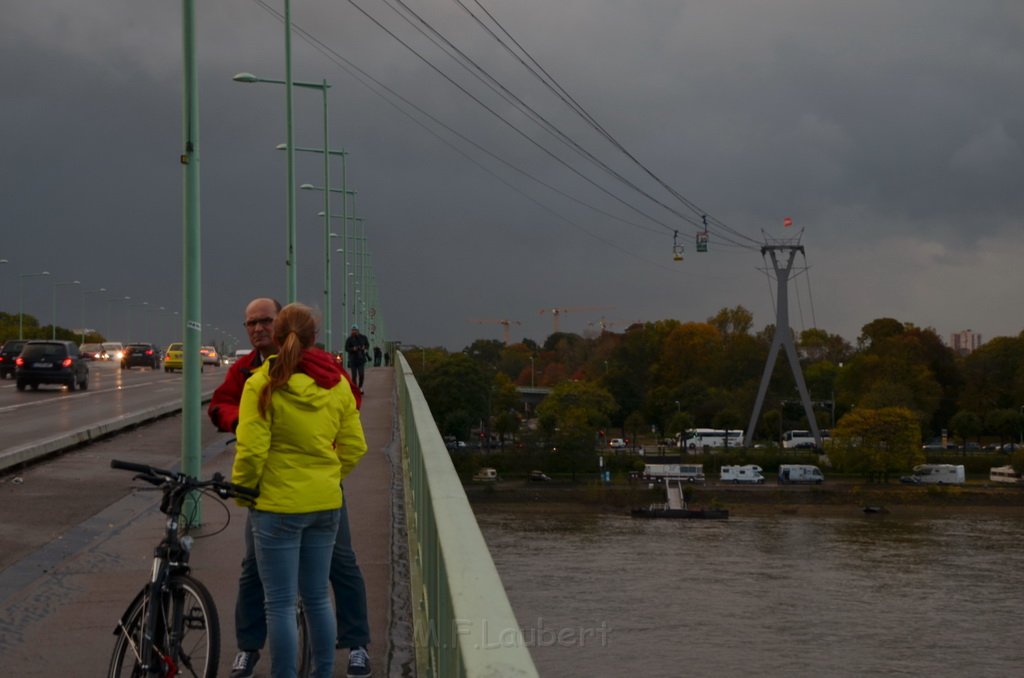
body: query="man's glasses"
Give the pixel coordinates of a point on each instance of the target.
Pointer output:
(251, 324)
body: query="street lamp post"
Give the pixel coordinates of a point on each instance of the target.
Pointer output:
(53, 325)
(141, 305)
(110, 326)
(84, 292)
(21, 300)
(290, 150)
(326, 214)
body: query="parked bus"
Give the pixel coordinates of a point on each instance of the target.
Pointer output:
(798, 440)
(1005, 474)
(704, 438)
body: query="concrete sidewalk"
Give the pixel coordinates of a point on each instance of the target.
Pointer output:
(76, 543)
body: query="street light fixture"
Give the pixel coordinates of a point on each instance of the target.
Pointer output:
(21, 300)
(290, 147)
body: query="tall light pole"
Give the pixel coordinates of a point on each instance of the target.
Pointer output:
(326, 214)
(84, 292)
(141, 305)
(21, 300)
(110, 324)
(4, 261)
(289, 149)
(53, 325)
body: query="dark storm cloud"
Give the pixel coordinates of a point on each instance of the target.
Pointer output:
(892, 132)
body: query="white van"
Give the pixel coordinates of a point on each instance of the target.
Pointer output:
(800, 473)
(486, 475)
(659, 470)
(750, 473)
(936, 474)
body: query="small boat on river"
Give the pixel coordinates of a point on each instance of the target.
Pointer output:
(676, 506)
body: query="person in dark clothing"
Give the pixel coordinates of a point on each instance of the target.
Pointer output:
(346, 577)
(377, 356)
(356, 347)
(387, 358)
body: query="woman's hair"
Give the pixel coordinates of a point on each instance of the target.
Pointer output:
(294, 331)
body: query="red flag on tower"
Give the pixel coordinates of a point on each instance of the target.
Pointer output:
(787, 222)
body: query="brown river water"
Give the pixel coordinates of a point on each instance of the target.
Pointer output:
(910, 593)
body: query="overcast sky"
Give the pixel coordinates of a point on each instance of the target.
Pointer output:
(891, 133)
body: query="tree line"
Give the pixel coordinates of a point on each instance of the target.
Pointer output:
(672, 375)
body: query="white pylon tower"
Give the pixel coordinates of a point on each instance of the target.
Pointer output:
(783, 338)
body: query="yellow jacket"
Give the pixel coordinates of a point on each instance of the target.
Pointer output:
(310, 440)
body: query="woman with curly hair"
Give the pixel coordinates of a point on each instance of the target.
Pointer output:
(298, 435)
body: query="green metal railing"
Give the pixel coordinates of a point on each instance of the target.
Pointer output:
(463, 622)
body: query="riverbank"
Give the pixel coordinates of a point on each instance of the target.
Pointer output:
(754, 499)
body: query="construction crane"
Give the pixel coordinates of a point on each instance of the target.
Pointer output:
(556, 313)
(506, 323)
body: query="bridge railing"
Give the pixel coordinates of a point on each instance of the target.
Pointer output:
(463, 622)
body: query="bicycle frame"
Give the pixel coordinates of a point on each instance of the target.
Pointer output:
(159, 652)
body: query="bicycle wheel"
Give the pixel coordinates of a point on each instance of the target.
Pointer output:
(187, 639)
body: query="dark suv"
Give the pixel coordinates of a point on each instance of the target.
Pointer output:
(140, 355)
(8, 353)
(51, 362)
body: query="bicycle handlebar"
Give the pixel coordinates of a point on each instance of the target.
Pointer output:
(152, 474)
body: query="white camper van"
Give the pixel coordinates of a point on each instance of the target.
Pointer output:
(751, 473)
(936, 474)
(659, 469)
(800, 473)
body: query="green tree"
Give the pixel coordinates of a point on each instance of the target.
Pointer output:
(732, 321)
(877, 442)
(634, 423)
(877, 331)
(965, 425)
(571, 416)
(1004, 423)
(992, 374)
(457, 390)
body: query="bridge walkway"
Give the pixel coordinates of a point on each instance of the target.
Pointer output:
(76, 544)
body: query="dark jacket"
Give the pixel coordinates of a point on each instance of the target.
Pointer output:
(356, 347)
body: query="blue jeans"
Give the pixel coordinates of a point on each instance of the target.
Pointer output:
(346, 580)
(293, 552)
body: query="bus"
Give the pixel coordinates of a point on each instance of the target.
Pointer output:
(798, 440)
(705, 438)
(1005, 474)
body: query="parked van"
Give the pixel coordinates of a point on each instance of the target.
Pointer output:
(750, 473)
(800, 473)
(1005, 474)
(936, 474)
(660, 468)
(486, 475)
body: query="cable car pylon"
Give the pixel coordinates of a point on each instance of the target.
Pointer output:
(783, 338)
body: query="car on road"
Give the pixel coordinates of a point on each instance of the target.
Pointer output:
(92, 351)
(210, 356)
(539, 476)
(174, 357)
(10, 350)
(140, 354)
(113, 350)
(51, 362)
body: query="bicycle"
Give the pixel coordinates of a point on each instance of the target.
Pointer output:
(172, 626)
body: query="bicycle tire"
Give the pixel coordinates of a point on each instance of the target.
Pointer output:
(305, 649)
(186, 604)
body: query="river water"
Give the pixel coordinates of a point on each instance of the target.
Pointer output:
(903, 594)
